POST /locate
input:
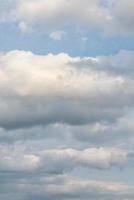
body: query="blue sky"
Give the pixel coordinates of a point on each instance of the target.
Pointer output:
(66, 99)
(82, 43)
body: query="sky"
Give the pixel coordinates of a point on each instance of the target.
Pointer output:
(66, 99)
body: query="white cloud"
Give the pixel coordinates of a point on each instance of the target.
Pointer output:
(65, 121)
(57, 96)
(100, 158)
(112, 17)
(58, 88)
(54, 13)
(61, 11)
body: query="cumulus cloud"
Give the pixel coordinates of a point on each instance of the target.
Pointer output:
(48, 89)
(33, 174)
(42, 174)
(57, 161)
(66, 123)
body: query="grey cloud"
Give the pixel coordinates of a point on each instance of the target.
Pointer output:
(97, 133)
(123, 17)
(52, 131)
(108, 133)
(120, 64)
(66, 187)
(57, 161)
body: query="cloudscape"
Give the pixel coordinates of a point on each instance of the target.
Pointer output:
(66, 99)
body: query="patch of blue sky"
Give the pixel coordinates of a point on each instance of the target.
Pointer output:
(74, 42)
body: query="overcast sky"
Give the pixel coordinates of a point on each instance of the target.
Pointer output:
(66, 99)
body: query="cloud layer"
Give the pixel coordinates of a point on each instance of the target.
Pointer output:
(66, 99)
(59, 161)
(56, 98)
(113, 17)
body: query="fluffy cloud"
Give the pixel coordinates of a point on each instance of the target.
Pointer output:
(61, 160)
(48, 89)
(26, 174)
(59, 96)
(66, 123)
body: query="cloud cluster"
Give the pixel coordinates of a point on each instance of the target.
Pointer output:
(59, 96)
(42, 174)
(50, 100)
(27, 175)
(66, 123)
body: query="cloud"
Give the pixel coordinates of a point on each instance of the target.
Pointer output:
(96, 133)
(57, 35)
(65, 187)
(110, 17)
(66, 123)
(106, 133)
(26, 174)
(58, 161)
(40, 90)
(123, 16)
(96, 158)
(58, 12)
(23, 27)
(83, 189)
(59, 97)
